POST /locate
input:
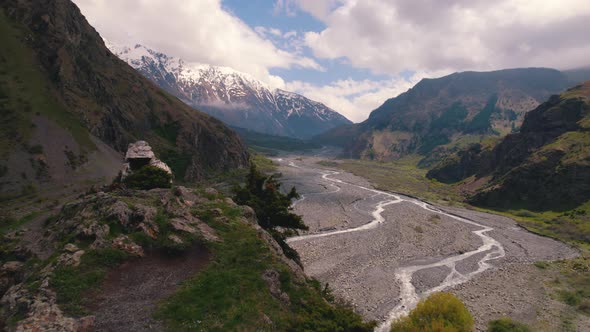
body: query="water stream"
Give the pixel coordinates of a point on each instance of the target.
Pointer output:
(408, 294)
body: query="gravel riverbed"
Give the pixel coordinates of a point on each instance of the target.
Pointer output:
(360, 266)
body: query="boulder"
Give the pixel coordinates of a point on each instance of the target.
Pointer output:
(123, 242)
(71, 259)
(249, 214)
(46, 316)
(271, 277)
(175, 238)
(207, 232)
(121, 212)
(11, 267)
(140, 154)
(230, 202)
(139, 150)
(182, 225)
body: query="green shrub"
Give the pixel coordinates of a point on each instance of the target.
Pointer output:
(507, 325)
(273, 208)
(149, 177)
(440, 312)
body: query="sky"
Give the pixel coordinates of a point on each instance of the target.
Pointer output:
(352, 55)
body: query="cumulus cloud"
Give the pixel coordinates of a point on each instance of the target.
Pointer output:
(317, 8)
(355, 99)
(197, 31)
(391, 36)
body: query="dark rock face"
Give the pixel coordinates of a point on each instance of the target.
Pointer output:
(112, 100)
(545, 166)
(475, 160)
(430, 118)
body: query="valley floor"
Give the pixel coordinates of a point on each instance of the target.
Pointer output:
(382, 252)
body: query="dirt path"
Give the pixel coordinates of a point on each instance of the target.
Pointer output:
(383, 252)
(130, 293)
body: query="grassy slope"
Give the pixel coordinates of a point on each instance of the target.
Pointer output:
(403, 176)
(25, 91)
(269, 144)
(230, 294)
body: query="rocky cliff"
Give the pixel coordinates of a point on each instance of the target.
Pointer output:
(544, 166)
(67, 100)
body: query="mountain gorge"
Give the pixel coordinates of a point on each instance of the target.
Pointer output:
(438, 116)
(236, 98)
(544, 166)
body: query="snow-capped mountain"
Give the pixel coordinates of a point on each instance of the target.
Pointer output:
(234, 97)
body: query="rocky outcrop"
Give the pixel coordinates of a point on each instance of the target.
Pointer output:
(544, 166)
(140, 154)
(249, 217)
(271, 277)
(97, 221)
(43, 312)
(113, 221)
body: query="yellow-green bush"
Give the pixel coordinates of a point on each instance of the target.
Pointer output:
(440, 312)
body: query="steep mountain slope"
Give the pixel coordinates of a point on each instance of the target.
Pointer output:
(66, 99)
(236, 98)
(437, 115)
(544, 166)
(270, 144)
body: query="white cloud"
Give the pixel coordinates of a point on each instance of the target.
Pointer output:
(197, 31)
(284, 6)
(290, 34)
(356, 99)
(391, 36)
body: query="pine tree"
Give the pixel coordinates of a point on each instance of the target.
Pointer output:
(273, 207)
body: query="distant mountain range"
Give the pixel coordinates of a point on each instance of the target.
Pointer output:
(440, 116)
(545, 166)
(236, 98)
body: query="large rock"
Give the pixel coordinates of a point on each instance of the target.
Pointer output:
(140, 154)
(139, 150)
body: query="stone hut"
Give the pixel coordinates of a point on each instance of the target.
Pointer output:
(140, 154)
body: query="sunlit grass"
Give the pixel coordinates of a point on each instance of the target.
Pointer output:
(402, 176)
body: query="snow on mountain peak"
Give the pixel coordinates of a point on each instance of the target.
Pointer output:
(139, 54)
(235, 97)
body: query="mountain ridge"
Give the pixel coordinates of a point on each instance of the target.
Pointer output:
(544, 166)
(234, 97)
(438, 116)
